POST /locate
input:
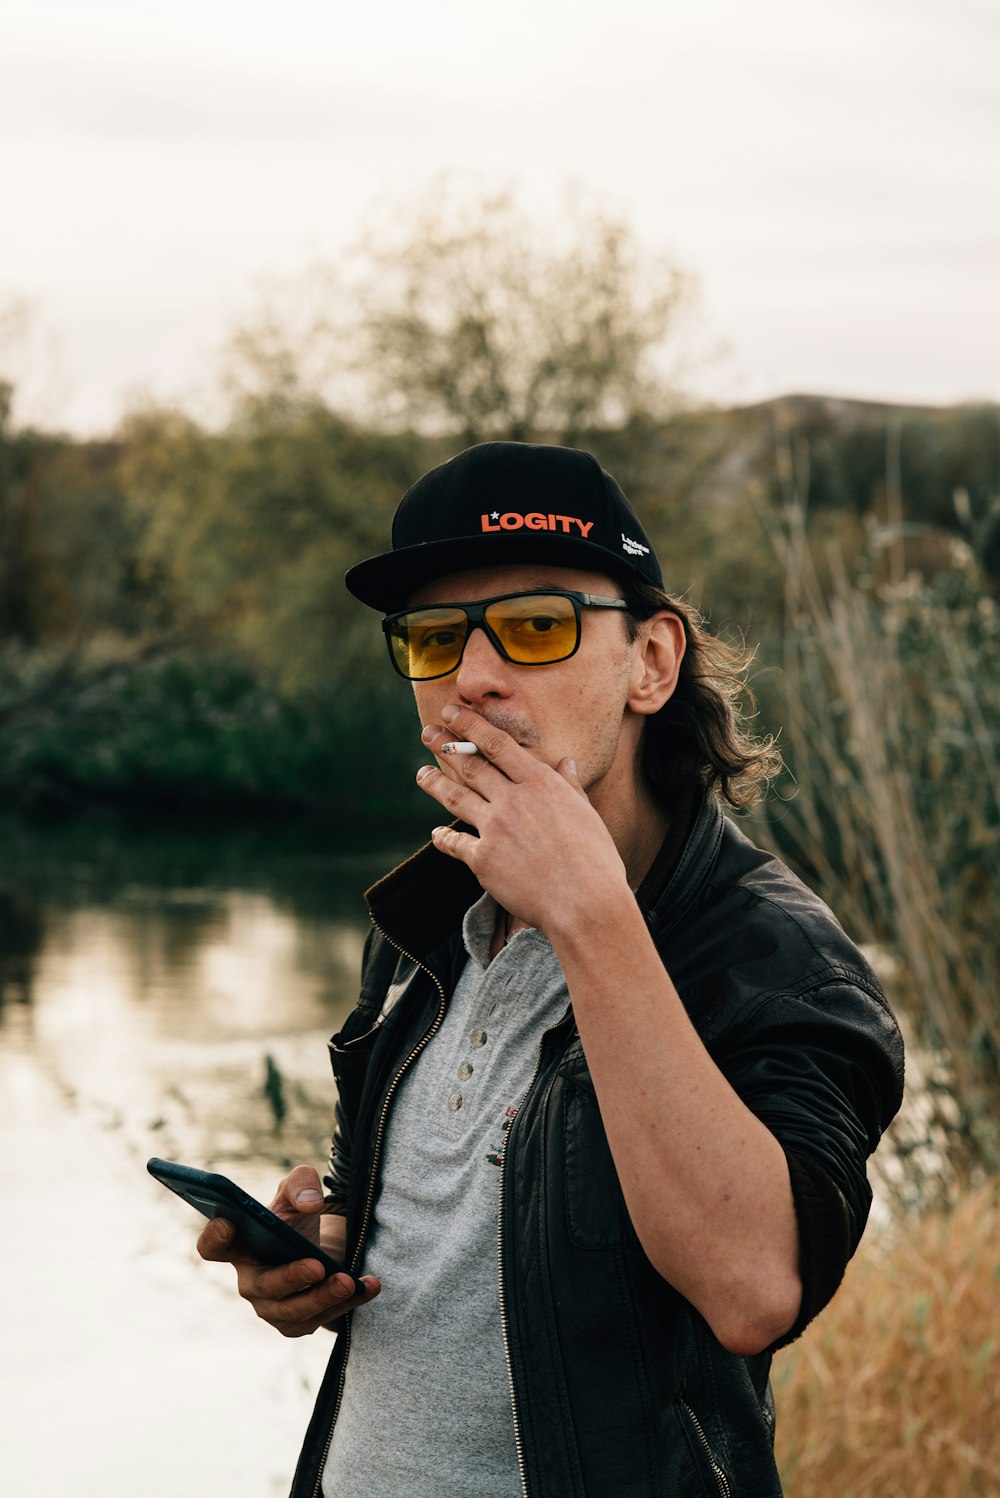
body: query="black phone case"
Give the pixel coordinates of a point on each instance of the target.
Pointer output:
(258, 1230)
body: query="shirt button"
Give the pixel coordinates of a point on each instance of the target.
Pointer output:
(477, 1038)
(465, 1071)
(455, 1102)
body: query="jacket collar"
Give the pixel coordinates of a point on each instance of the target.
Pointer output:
(680, 883)
(420, 904)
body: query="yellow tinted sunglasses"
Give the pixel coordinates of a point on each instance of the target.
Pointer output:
(529, 629)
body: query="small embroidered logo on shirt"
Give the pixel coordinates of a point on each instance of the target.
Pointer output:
(495, 1157)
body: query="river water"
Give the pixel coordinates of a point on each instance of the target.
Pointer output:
(151, 980)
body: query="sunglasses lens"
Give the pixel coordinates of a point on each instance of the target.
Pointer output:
(536, 628)
(428, 642)
(533, 629)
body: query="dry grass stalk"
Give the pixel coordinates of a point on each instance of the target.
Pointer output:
(895, 1389)
(864, 717)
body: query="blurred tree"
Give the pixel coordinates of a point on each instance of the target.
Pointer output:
(247, 532)
(64, 535)
(15, 490)
(245, 536)
(66, 541)
(468, 316)
(13, 598)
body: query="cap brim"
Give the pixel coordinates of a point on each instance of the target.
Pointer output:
(386, 582)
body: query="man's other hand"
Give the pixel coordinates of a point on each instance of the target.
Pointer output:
(294, 1298)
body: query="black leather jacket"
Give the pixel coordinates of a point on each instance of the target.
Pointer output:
(619, 1388)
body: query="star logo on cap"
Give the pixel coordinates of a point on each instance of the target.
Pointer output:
(495, 515)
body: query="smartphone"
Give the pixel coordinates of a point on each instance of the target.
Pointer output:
(258, 1230)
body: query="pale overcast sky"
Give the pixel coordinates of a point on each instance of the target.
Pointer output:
(829, 171)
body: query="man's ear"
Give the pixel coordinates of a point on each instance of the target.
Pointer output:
(660, 650)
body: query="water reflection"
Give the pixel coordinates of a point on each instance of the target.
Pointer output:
(151, 981)
(159, 999)
(20, 942)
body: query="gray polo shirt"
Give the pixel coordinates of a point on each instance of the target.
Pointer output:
(426, 1409)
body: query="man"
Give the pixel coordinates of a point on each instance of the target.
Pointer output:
(606, 1099)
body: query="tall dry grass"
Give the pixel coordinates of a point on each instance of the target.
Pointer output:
(894, 1392)
(890, 703)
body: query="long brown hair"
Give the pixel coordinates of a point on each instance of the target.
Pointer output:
(701, 734)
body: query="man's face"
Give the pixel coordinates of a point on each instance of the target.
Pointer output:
(577, 707)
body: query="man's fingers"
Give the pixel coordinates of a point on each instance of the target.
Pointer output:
(300, 1313)
(567, 769)
(452, 794)
(216, 1240)
(217, 1243)
(372, 1288)
(297, 1281)
(495, 747)
(300, 1191)
(461, 845)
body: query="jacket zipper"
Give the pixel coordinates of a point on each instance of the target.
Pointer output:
(721, 1480)
(379, 1137)
(504, 1318)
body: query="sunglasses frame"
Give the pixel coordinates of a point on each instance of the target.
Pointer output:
(476, 615)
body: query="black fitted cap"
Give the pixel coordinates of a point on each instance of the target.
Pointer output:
(507, 502)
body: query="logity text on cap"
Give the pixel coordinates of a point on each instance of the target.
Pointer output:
(534, 521)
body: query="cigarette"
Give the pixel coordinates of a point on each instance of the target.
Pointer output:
(461, 746)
